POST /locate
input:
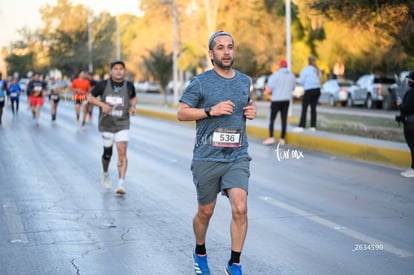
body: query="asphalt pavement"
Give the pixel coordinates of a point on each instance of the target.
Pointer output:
(309, 213)
(395, 154)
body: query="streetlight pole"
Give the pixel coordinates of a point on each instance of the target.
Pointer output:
(118, 40)
(90, 43)
(289, 47)
(175, 70)
(288, 35)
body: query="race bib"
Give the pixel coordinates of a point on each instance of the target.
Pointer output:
(54, 97)
(116, 112)
(223, 137)
(1, 98)
(114, 100)
(13, 94)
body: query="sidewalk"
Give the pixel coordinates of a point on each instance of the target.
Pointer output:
(372, 150)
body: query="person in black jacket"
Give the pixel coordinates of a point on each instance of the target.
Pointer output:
(406, 107)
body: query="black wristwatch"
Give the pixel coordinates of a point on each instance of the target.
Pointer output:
(207, 111)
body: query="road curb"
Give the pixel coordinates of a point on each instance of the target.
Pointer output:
(388, 155)
(373, 153)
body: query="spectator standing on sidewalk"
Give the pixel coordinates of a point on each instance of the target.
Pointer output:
(219, 101)
(117, 102)
(310, 79)
(281, 84)
(406, 107)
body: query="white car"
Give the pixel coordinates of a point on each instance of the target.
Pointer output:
(147, 87)
(372, 91)
(335, 91)
(298, 92)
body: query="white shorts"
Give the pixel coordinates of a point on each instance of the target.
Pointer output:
(109, 138)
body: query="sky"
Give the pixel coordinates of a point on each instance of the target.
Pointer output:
(16, 14)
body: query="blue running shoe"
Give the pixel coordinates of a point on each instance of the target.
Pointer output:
(201, 264)
(234, 269)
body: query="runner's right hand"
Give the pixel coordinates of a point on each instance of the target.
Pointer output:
(106, 109)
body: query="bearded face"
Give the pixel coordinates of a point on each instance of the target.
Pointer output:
(222, 53)
(224, 62)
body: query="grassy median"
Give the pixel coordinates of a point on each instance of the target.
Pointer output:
(370, 127)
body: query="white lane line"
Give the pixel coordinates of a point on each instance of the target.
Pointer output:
(13, 222)
(349, 232)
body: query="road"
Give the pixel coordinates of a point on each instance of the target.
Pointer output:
(309, 213)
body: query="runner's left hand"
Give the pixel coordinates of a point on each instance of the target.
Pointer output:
(250, 110)
(133, 110)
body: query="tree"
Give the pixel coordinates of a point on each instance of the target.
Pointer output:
(66, 30)
(26, 54)
(159, 64)
(363, 35)
(20, 64)
(388, 20)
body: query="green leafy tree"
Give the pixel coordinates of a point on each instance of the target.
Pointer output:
(392, 22)
(159, 64)
(20, 64)
(27, 54)
(66, 30)
(246, 65)
(363, 35)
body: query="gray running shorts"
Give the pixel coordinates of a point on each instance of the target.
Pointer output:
(211, 177)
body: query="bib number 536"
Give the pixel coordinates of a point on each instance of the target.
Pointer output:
(227, 137)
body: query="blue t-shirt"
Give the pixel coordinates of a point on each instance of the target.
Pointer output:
(208, 89)
(14, 90)
(2, 88)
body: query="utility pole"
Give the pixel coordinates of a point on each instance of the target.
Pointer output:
(288, 35)
(289, 49)
(90, 43)
(175, 70)
(118, 39)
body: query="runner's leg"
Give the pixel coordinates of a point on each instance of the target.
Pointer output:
(84, 112)
(122, 158)
(77, 110)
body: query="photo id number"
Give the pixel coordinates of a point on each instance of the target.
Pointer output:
(368, 247)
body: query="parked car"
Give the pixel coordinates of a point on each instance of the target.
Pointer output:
(372, 91)
(335, 91)
(259, 87)
(180, 86)
(147, 87)
(298, 92)
(400, 87)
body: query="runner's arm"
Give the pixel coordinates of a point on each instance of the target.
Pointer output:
(95, 93)
(106, 109)
(188, 113)
(133, 104)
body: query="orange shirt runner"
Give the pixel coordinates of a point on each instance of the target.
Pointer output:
(81, 88)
